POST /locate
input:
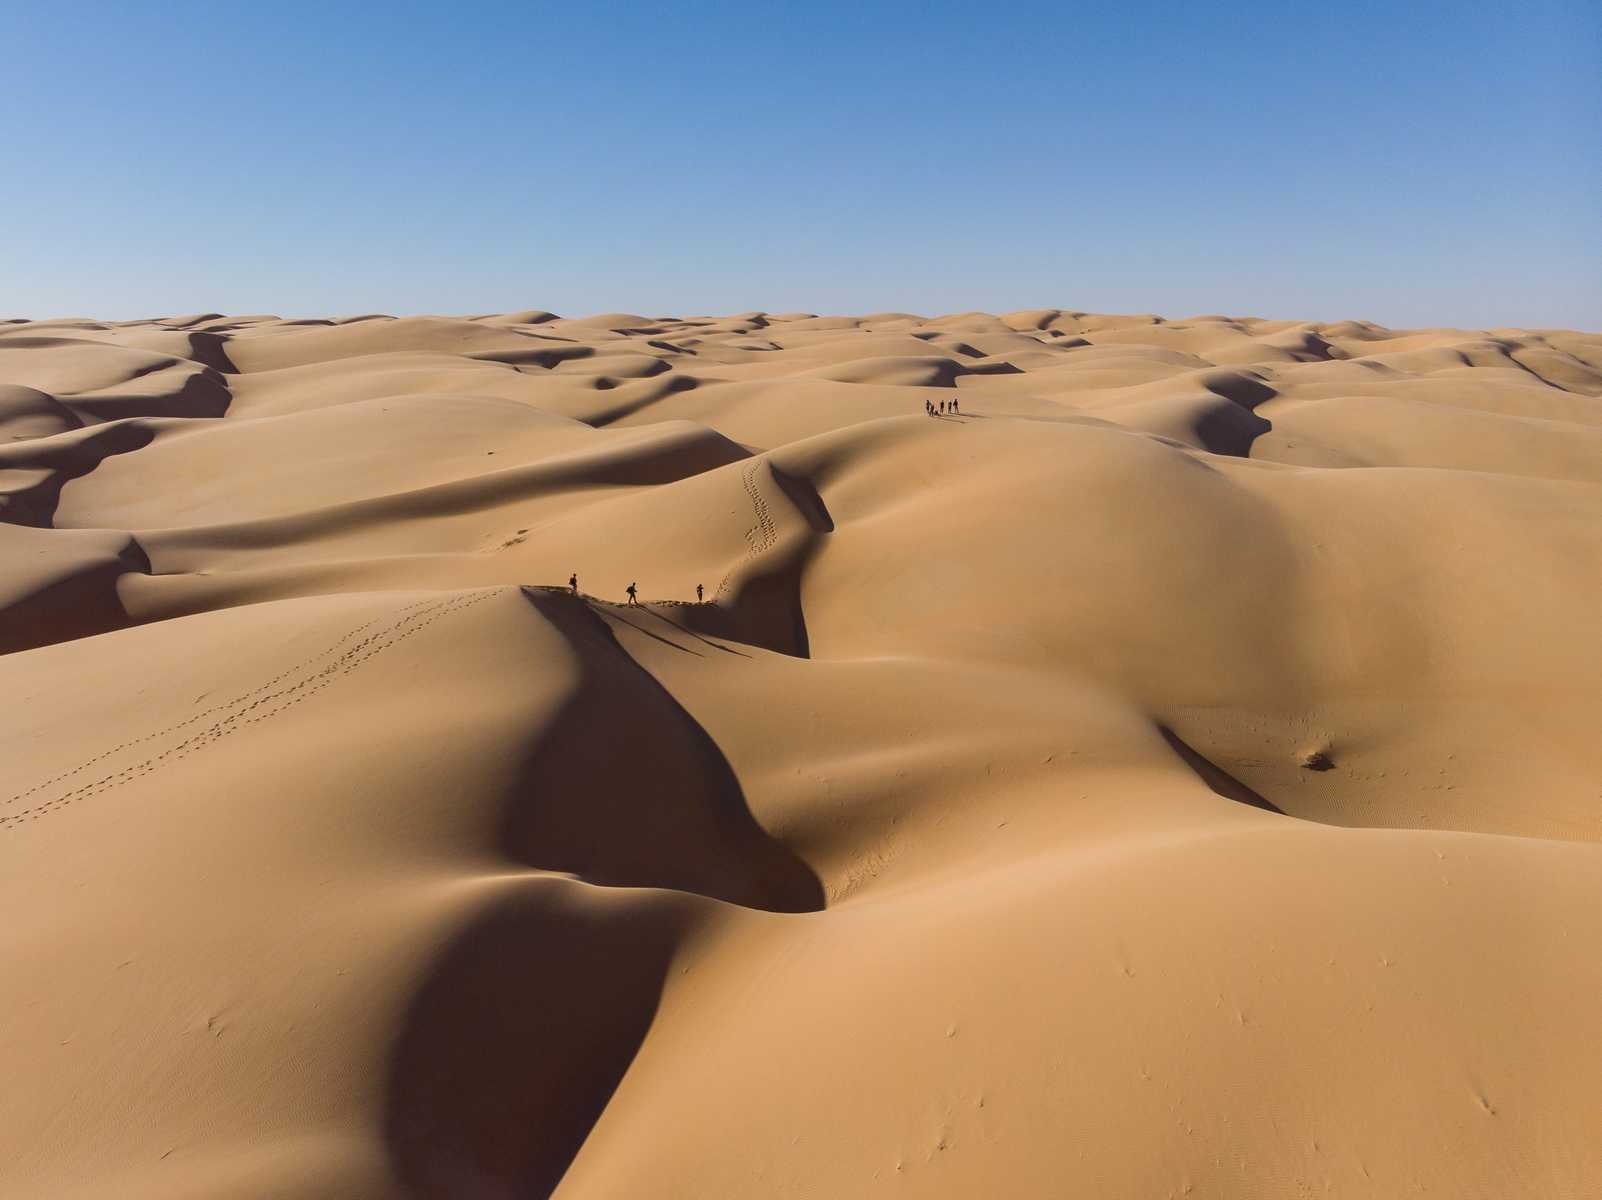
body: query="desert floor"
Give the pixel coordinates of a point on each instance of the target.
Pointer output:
(1173, 770)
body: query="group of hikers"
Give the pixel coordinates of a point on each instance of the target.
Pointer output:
(633, 591)
(930, 407)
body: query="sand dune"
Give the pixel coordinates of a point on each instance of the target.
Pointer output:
(1173, 774)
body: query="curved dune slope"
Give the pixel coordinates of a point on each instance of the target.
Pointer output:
(1171, 770)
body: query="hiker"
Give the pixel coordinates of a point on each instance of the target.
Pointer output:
(942, 408)
(633, 599)
(954, 407)
(572, 583)
(700, 594)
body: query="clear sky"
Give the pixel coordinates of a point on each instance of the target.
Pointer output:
(1409, 162)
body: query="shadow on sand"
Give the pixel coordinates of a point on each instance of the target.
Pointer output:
(523, 1029)
(529, 1018)
(625, 788)
(1215, 777)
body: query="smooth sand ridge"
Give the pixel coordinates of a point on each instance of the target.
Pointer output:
(1175, 774)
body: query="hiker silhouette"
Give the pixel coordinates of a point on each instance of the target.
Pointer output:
(633, 599)
(572, 583)
(700, 594)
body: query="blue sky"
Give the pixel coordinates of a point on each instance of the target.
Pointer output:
(1413, 163)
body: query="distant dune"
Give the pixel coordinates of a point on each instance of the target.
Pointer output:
(1171, 770)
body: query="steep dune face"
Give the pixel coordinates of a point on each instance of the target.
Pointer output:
(1169, 770)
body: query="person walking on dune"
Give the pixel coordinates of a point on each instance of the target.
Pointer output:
(633, 597)
(954, 408)
(572, 583)
(700, 594)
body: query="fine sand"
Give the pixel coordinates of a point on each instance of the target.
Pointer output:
(1175, 775)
